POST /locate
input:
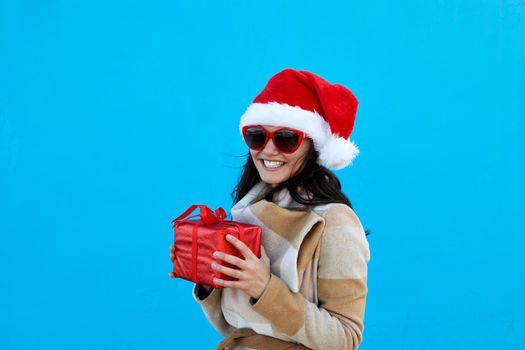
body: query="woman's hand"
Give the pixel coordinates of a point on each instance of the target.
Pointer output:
(253, 274)
(172, 258)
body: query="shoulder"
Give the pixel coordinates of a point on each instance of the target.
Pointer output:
(338, 214)
(344, 247)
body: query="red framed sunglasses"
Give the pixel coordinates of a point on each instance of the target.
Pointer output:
(286, 140)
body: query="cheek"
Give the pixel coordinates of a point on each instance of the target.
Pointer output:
(301, 153)
(253, 154)
(296, 161)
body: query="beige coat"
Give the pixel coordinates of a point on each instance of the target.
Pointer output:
(317, 291)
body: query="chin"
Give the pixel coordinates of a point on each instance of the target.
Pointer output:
(272, 180)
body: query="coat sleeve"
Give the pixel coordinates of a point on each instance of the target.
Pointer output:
(211, 306)
(337, 322)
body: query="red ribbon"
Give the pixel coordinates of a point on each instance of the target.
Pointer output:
(207, 216)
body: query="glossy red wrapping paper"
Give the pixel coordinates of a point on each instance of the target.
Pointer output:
(196, 240)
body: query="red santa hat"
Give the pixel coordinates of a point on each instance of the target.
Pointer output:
(304, 101)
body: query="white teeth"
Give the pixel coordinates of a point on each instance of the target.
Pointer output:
(270, 164)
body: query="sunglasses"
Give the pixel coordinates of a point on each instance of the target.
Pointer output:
(286, 140)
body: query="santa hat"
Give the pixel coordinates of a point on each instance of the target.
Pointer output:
(304, 101)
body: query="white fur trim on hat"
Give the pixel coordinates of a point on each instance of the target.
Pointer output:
(334, 151)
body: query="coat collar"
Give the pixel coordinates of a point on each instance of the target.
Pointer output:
(282, 198)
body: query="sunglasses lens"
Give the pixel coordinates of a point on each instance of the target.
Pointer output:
(255, 137)
(286, 140)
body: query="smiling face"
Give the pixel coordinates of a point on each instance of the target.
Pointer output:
(274, 166)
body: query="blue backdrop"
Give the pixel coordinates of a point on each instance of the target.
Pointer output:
(117, 115)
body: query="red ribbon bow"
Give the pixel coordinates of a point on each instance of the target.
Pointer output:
(206, 214)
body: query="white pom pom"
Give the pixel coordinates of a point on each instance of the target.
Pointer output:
(337, 153)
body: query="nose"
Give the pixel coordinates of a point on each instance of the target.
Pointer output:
(270, 148)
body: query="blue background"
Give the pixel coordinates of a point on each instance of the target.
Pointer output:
(116, 116)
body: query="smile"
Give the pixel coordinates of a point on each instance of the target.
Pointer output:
(272, 164)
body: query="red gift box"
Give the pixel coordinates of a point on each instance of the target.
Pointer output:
(196, 240)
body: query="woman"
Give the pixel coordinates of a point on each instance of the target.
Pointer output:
(308, 290)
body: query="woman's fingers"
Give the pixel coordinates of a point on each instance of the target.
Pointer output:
(227, 270)
(243, 248)
(172, 257)
(172, 253)
(230, 259)
(264, 256)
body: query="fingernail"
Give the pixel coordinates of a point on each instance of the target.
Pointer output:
(214, 265)
(229, 237)
(217, 254)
